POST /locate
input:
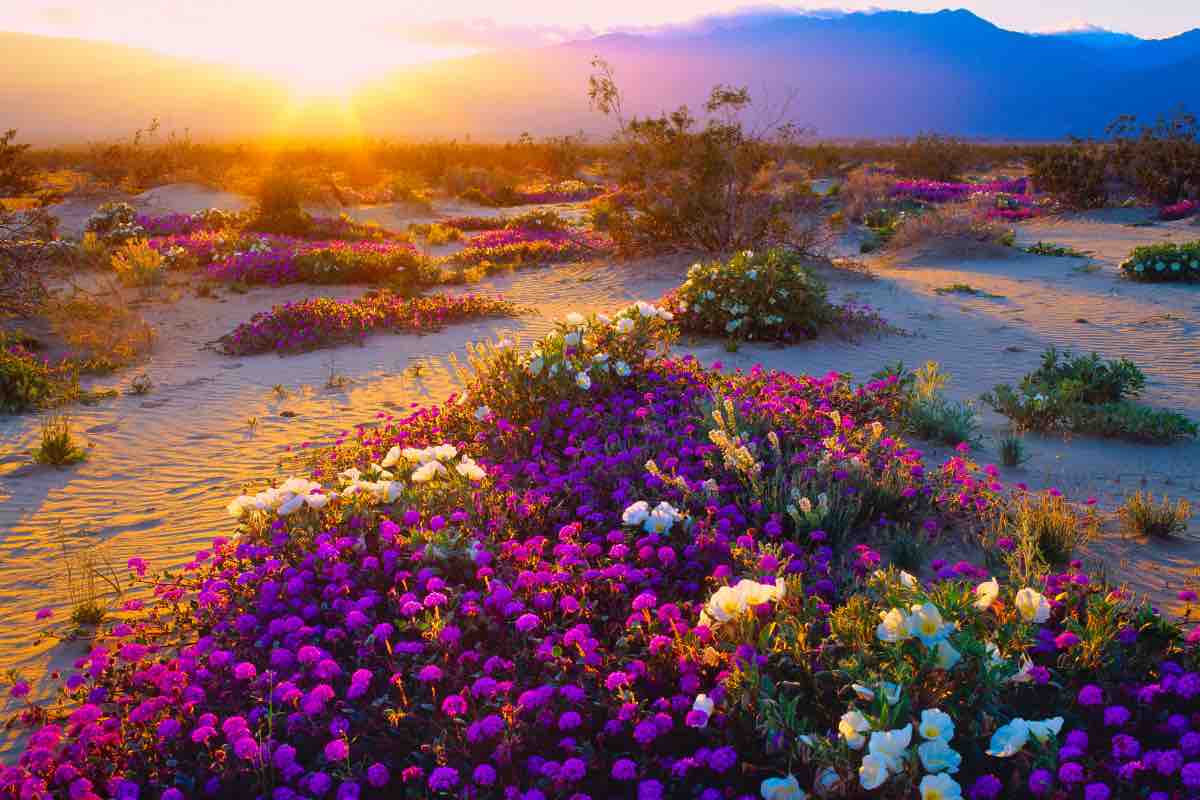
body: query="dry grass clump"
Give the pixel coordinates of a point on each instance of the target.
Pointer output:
(1142, 515)
(954, 227)
(104, 332)
(58, 447)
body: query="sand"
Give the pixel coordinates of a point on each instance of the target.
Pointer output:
(162, 466)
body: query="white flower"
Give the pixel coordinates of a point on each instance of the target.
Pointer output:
(572, 338)
(724, 605)
(470, 470)
(873, 772)
(940, 787)
(603, 319)
(852, 726)
(891, 745)
(239, 505)
(1044, 729)
(645, 309)
(936, 724)
(704, 703)
(1008, 740)
(1033, 605)
(293, 503)
(445, 452)
(927, 624)
(937, 756)
(907, 580)
(622, 369)
(481, 414)
(428, 471)
(894, 627)
(782, 789)
(624, 325)
(636, 513)
(661, 518)
(316, 500)
(583, 380)
(947, 656)
(575, 318)
(986, 593)
(392, 458)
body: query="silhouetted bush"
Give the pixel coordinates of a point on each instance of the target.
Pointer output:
(1074, 173)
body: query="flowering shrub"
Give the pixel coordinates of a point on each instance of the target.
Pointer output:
(1164, 262)
(568, 191)
(653, 585)
(1181, 210)
(768, 296)
(325, 322)
(1015, 208)
(136, 263)
(212, 219)
(115, 223)
(28, 381)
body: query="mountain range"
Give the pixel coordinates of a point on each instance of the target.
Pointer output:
(877, 74)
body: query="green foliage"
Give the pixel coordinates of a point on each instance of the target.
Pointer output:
(1046, 530)
(1054, 250)
(401, 268)
(27, 382)
(928, 414)
(1167, 261)
(1142, 515)
(58, 447)
(1012, 451)
(1074, 173)
(1085, 394)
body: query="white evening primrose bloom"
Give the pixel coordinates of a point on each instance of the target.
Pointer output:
(645, 309)
(661, 518)
(937, 756)
(392, 458)
(624, 325)
(636, 513)
(1032, 605)
(350, 475)
(891, 746)
(852, 726)
(908, 581)
(940, 787)
(316, 500)
(470, 470)
(239, 505)
(894, 626)
(428, 471)
(1008, 740)
(622, 369)
(873, 772)
(787, 788)
(986, 594)
(583, 380)
(936, 724)
(756, 594)
(705, 704)
(1045, 729)
(290, 505)
(926, 624)
(445, 452)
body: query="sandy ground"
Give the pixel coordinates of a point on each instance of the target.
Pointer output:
(163, 465)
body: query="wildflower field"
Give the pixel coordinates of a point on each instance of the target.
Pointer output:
(602, 571)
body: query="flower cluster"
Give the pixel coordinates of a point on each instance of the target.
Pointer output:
(115, 223)
(283, 259)
(326, 322)
(945, 192)
(626, 590)
(568, 191)
(1164, 262)
(769, 296)
(1015, 208)
(525, 245)
(1181, 210)
(212, 219)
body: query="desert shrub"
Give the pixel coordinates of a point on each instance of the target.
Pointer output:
(538, 219)
(16, 171)
(28, 382)
(1167, 261)
(764, 296)
(1054, 250)
(437, 235)
(1142, 515)
(278, 205)
(1075, 174)
(1161, 161)
(949, 224)
(866, 191)
(1085, 394)
(136, 263)
(58, 446)
(28, 252)
(934, 157)
(692, 187)
(103, 332)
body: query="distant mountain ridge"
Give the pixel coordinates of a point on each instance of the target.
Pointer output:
(878, 74)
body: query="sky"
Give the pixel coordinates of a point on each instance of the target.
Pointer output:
(325, 45)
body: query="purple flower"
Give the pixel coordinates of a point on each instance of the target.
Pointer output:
(443, 779)
(624, 770)
(1096, 791)
(1040, 782)
(1090, 695)
(986, 787)
(337, 750)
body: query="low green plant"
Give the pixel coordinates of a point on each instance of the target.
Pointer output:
(965, 288)
(58, 446)
(907, 550)
(1167, 261)
(928, 414)
(1142, 515)
(1054, 250)
(1012, 451)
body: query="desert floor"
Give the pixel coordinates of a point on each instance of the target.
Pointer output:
(163, 466)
